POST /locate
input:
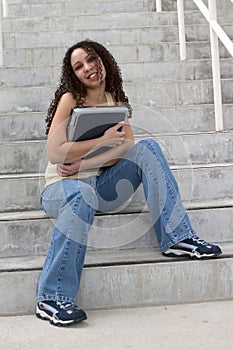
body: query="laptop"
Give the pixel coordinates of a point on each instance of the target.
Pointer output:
(87, 123)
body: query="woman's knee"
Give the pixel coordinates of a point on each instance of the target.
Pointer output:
(79, 191)
(150, 144)
(68, 193)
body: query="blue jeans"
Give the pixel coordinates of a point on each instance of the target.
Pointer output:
(74, 204)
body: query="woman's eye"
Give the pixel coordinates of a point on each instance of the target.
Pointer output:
(90, 59)
(77, 67)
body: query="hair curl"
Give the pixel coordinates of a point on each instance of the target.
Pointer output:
(70, 83)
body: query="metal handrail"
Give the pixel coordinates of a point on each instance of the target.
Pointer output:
(216, 32)
(5, 8)
(4, 11)
(159, 5)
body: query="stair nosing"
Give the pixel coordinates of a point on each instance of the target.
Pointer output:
(41, 215)
(94, 259)
(188, 166)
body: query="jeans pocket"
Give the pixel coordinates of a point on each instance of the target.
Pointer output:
(49, 256)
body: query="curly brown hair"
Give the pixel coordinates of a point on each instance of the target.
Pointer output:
(70, 83)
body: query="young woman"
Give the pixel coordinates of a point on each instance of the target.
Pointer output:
(77, 186)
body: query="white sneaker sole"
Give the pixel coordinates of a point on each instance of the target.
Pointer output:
(60, 323)
(193, 255)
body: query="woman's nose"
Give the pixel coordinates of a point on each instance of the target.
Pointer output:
(86, 67)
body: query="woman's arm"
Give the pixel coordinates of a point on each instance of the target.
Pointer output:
(107, 158)
(61, 151)
(58, 149)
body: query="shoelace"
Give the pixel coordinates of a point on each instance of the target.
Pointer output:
(66, 306)
(199, 240)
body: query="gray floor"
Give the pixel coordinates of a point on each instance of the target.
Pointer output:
(193, 326)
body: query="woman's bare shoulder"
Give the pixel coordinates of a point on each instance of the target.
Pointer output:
(68, 99)
(65, 105)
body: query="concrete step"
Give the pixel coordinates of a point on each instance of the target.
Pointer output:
(177, 93)
(198, 183)
(22, 125)
(70, 22)
(181, 119)
(119, 36)
(29, 233)
(159, 94)
(21, 157)
(131, 72)
(170, 5)
(123, 278)
(119, 329)
(55, 8)
(40, 57)
(178, 119)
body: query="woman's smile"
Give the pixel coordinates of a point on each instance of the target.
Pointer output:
(92, 76)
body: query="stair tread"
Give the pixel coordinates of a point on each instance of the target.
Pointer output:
(40, 214)
(138, 137)
(105, 258)
(176, 167)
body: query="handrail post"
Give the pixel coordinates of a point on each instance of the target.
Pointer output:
(158, 5)
(5, 8)
(1, 39)
(4, 12)
(215, 69)
(180, 11)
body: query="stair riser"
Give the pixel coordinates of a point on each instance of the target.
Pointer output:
(150, 72)
(174, 120)
(113, 36)
(31, 126)
(190, 5)
(31, 237)
(31, 157)
(128, 285)
(156, 285)
(124, 54)
(71, 22)
(35, 9)
(144, 95)
(178, 93)
(204, 184)
(23, 126)
(23, 157)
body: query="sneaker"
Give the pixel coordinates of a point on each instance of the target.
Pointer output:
(195, 247)
(59, 313)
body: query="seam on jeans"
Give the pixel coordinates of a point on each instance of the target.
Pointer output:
(170, 185)
(172, 189)
(61, 270)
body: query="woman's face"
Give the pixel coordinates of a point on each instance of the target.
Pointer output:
(85, 68)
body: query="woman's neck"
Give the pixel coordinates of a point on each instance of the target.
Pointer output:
(95, 97)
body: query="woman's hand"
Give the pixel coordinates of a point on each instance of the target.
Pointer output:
(69, 169)
(113, 137)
